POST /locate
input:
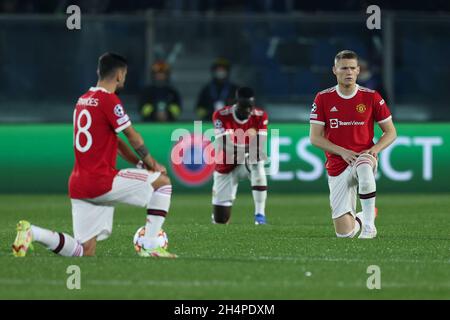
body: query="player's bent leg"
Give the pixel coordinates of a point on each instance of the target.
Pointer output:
(343, 195)
(157, 210)
(223, 194)
(91, 223)
(346, 226)
(222, 213)
(89, 247)
(59, 243)
(258, 181)
(161, 181)
(142, 188)
(365, 166)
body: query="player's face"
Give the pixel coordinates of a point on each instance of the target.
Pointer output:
(244, 108)
(346, 71)
(220, 74)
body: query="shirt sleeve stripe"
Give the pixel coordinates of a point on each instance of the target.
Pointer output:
(385, 120)
(124, 126)
(221, 134)
(317, 122)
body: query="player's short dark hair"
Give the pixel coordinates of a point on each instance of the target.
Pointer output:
(108, 63)
(244, 93)
(346, 54)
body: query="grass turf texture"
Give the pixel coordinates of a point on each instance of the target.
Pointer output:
(240, 260)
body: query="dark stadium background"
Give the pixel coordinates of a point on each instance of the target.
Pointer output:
(284, 49)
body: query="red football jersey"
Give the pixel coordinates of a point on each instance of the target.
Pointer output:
(348, 120)
(97, 118)
(226, 122)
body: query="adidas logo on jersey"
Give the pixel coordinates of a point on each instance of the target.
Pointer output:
(334, 109)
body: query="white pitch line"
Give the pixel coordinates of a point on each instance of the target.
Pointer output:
(325, 259)
(220, 283)
(283, 258)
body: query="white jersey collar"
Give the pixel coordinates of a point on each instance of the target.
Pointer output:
(98, 89)
(343, 96)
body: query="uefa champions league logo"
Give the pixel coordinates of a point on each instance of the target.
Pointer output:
(201, 150)
(118, 110)
(193, 167)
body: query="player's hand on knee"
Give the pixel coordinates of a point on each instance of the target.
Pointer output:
(372, 151)
(160, 168)
(349, 156)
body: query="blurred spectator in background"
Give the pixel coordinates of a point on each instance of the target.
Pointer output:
(366, 77)
(217, 93)
(160, 101)
(369, 79)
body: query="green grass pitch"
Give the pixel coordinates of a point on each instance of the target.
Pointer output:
(297, 256)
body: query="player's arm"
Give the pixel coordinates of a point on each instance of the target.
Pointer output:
(126, 153)
(222, 142)
(317, 138)
(388, 136)
(137, 142)
(261, 139)
(258, 142)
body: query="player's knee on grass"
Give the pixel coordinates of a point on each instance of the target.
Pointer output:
(222, 214)
(344, 225)
(89, 247)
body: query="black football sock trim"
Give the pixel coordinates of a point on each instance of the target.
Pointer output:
(62, 240)
(259, 188)
(155, 212)
(368, 195)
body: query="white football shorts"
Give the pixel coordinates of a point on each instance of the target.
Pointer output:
(225, 185)
(94, 217)
(344, 191)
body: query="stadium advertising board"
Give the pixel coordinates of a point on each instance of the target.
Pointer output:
(39, 158)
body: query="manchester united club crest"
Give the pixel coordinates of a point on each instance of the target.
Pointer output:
(361, 108)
